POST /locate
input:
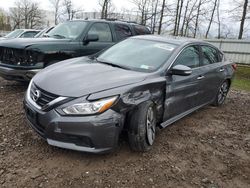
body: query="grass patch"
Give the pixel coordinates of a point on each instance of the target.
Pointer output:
(242, 78)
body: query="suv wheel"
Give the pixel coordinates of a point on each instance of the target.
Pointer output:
(222, 94)
(142, 127)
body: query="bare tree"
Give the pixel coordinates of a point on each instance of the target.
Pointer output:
(69, 9)
(197, 18)
(4, 21)
(105, 4)
(142, 6)
(190, 17)
(185, 17)
(16, 16)
(243, 18)
(155, 4)
(179, 18)
(212, 17)
(161, 16)
(56, 6)
(176, 17)
(26, 14)
(218, 19)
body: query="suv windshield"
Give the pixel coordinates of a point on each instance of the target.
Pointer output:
(14, 34)
(138, 54)
(69, 30)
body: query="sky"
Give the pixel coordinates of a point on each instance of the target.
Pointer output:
(87, 5)
(93, 5)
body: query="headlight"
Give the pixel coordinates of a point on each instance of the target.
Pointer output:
(89, 108)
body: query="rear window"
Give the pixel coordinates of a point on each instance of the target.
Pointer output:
(141, 30)
(210, 55)
(122, 31)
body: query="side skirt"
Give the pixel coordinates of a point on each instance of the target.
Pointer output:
(176, 118)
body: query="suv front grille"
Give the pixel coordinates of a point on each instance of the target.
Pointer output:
(41, 97)
(19, 57)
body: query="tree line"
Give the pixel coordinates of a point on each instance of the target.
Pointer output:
(190, 18)
(186, 18)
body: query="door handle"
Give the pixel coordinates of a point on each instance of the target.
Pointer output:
(200, 77)
(221, 69)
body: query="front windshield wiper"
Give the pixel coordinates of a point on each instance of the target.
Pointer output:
(112, 64)
(59, 36)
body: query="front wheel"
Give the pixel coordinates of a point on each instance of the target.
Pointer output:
(222, 94)
(142, 127)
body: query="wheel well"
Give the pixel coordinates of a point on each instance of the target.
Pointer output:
(130, 112)
(229, 81)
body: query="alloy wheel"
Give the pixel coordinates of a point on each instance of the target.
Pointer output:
(223, 92)
(151, 126)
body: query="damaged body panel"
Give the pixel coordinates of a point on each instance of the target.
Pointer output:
(85, 103)
(22, 58)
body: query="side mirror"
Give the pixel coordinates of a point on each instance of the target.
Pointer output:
(91, 38)
(181, 70)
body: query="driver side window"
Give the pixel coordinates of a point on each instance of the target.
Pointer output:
(189, 57)
(102, 30)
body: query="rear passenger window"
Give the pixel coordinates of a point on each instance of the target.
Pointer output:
(29, 34)
(122, 31)
(141, 30)
(220, 57)
(102, 30)
(189, 57)
(210, 55)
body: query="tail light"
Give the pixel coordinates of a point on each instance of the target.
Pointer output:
(234, 66)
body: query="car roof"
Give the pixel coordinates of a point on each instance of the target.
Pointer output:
(106, 21)
(28, 30)
(170, 39)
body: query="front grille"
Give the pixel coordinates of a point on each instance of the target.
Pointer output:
(41, 97)
(18, 57)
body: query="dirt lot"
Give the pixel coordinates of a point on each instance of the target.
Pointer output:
(210, 148)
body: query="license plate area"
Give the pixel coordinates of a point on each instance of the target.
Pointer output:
(31, 115)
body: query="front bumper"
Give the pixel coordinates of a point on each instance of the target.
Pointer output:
(10, 73)
(95, 134)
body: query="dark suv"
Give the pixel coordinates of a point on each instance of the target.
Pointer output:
(20, 59)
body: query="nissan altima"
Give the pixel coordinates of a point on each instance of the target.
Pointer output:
(134, 87)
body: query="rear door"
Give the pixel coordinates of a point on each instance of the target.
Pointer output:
(140, 30)
(213, 72)
(122, 31)
(182, 92)
(105, 39)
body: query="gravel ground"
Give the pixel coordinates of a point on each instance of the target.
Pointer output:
(210, 149)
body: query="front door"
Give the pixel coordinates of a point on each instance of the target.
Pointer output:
(182, 92)
(105, 39)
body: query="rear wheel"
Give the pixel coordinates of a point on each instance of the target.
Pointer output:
(222, 94)
(142, 127)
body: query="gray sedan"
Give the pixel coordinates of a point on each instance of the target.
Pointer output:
(134, 86)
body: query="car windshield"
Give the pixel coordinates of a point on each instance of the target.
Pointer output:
(69, 30)
(138, 54)
(14, 34)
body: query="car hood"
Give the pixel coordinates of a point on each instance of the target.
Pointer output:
(22, 43)
(82, 76)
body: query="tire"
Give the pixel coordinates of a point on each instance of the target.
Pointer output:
(142, 127)
(221, 94)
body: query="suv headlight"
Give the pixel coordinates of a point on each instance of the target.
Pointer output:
(88, 108)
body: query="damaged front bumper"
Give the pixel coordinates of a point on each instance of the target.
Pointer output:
(18, 74)
(94, 134)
